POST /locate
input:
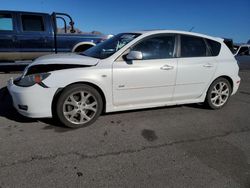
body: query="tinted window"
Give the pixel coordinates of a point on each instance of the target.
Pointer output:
(32, 23)
(160, 47)
(6, 23)
(214, 47)
(193, 46)
(230, 44)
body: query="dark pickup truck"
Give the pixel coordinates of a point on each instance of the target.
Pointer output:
(28, 35)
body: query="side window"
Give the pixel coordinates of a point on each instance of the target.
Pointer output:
(214, 46)
(193, 46)
(160, 47)
(6, 22)
(32, 23)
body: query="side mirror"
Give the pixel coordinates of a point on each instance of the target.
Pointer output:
(134, 55)
(72, 29)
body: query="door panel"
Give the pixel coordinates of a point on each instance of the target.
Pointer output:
(150, 80)
(34, 35)
(143, 81)
(193, 76)
(8, 44)
(196, 67)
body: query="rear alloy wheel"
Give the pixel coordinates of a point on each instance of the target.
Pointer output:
(79, 105)
(218, 93)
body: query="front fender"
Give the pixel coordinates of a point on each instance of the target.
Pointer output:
(101, 78)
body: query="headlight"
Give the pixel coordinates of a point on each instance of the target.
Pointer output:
(31, 80)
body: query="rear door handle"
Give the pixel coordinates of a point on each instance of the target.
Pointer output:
(167, 67)
(208, 65)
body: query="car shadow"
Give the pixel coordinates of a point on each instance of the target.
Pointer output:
(8, 111)
(198, 106)
(52, 124)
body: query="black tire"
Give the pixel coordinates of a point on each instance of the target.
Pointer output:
(65, 96)
(210, 94)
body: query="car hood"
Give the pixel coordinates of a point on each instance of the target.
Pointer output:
(68, 58)
(56, 62)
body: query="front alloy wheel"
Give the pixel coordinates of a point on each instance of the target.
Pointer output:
(79, 105)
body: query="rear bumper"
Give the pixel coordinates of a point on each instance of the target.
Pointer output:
(236, 84)
(34, 101)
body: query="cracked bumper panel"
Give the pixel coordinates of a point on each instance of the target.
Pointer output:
(37, 99)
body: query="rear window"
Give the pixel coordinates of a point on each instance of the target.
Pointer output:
(193, 46)
(214, 46)
(32, 23)
(6, 22)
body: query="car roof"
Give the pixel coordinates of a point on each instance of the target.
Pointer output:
(21, 12)
(151, 32)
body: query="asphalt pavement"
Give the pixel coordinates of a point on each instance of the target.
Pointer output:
(180, 146)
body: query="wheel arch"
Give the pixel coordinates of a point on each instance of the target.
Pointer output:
(60, 90)
(207, 101)
(228, 78)
(82, 44)
(222, 76)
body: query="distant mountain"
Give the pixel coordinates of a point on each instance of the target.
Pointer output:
(248, 42)
(78, 31)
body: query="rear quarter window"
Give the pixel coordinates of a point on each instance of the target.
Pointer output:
(214, 46)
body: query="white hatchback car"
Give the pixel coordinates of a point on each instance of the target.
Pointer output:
(129, 71)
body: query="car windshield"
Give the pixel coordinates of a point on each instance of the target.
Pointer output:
(110, 46)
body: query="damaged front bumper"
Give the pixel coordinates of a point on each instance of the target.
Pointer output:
(34, 101)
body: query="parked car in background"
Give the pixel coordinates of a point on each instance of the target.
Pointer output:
(242, 49)
(242, 55)
(129, 71)
(28, 35)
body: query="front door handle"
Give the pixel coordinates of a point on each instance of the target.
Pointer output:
(208, 65)
(14, 38)
(167, 67)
